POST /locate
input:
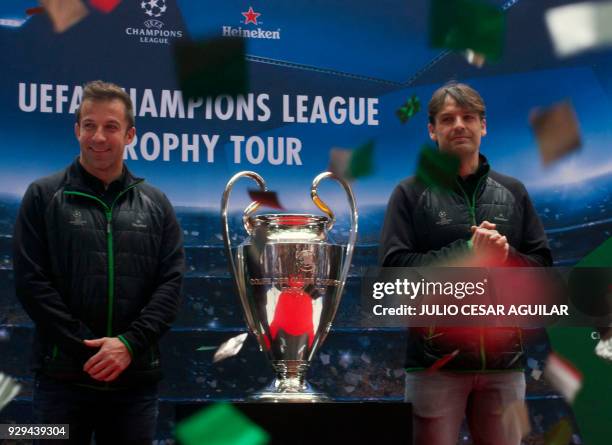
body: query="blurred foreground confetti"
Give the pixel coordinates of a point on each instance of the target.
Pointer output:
(352, 164)
(64, 13)
(220, 424)
(579, 27)
(559, 434)
(437, 169)
(211, 67)
(563, 376)
(467, 24)
(107, 6)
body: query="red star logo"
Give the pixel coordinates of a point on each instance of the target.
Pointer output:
(250, 16)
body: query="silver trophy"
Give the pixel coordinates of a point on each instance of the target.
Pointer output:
(290, 277)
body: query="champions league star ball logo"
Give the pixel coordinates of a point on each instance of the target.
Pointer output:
(153, 30)
(154, 8)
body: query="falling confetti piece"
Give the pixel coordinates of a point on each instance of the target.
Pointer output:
(409, 109)
(230, 348)
(556, 130)
(536, 374)
(441, 362)
(579, 27)
(35, 10)
(220, 424)
(107, 6)
(474, 58)
(563, 376)
(64, 13)
(211, 67)
(559, 434)
(266, 198)
(467, 24)
(9, 388)
(352, 164)
(436, 168)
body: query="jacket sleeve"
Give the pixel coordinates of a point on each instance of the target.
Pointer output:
(159, 313)
(398, 238)
(34, 286)
(533, 250)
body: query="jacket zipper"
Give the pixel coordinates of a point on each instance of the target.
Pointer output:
(108, 211)
(472, 209)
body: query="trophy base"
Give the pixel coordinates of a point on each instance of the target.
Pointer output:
(276, 392)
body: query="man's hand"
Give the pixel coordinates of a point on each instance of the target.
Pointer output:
(489, 245)
(110, 361)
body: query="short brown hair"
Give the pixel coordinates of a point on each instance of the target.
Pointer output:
(465, 96)
(98, 90)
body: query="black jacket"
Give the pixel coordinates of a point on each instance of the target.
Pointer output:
(426, 227)
(90, 264)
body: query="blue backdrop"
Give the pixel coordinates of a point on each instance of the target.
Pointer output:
(372, 53)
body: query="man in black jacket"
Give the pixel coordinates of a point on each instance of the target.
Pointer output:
(99, 261)
(487, 219)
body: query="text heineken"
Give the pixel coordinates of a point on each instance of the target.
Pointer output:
(230, 31)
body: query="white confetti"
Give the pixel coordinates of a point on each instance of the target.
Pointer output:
(9, 388)
(579, 27)
(230, 348)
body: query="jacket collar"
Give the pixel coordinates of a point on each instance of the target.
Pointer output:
(471, 181)
(79, 179)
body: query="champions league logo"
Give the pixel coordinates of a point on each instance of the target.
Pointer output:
(154, 8)
(154, 32)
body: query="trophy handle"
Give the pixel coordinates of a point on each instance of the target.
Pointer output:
(251, 208)
(350, 247)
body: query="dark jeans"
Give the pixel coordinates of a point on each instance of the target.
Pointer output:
(126, 416)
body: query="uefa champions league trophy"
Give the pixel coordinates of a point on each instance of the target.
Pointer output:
(290, 277)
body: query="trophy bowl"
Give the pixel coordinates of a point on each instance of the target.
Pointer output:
(290, 276)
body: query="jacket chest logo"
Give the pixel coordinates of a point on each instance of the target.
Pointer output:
(443, 221)
(139, 222)
(77, 219)
(500, 217)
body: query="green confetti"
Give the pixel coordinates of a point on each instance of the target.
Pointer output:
(220, 424)
(436, 168)
(593, 403)
(362, 161)
(206, 348)
(409, 109)
(211, 67)
(467, 24)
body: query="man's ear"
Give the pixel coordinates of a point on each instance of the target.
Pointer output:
(130, 135)
(432, 133)
(77, 130)
(483, 131)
